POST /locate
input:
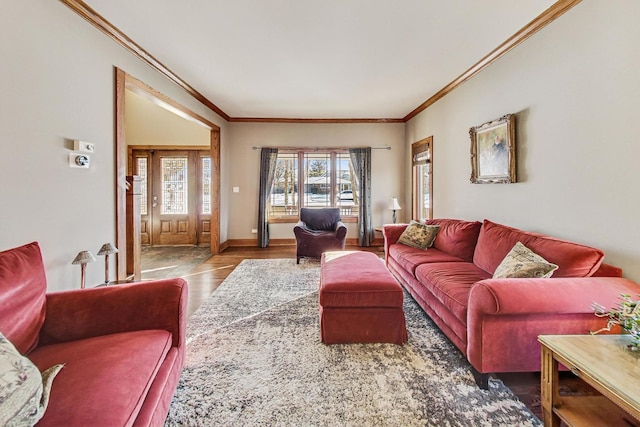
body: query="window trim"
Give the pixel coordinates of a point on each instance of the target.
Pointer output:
(424, 145)
(301, 152)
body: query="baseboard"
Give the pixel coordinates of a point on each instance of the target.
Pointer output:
(243, 243)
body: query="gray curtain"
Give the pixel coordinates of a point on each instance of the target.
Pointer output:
(361, 161)
(268, 159)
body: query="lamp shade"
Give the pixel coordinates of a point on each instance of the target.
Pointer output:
(108, 249)
(394, 205)
(83, 257)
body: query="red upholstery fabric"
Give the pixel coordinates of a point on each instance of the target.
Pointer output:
(126, 341)
(410, 258)
(573, 260)
(456, 237)
(505, 316)
(357, 279)
(108, 389)
(362, 325)
(496, 322)
(451, 283)
(22, 295)
(360, 301)
(83, 313)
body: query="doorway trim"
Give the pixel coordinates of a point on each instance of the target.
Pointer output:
(126, 81)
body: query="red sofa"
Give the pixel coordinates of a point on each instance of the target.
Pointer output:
(122, 346)
(495, 322)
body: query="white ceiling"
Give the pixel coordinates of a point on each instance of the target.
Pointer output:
(319, 58)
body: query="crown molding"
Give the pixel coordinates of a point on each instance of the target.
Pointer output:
(298, 120)
(546, 17)
(93, 17)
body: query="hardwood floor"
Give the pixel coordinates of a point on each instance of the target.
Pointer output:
(207, 276)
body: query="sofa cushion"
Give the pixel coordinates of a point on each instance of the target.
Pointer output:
(105, 379)
(573, 260)
(522, 262)
(22, 295)
(450, 283)
(24, 393)
(420, 236)
(409, 258)
(456, 237)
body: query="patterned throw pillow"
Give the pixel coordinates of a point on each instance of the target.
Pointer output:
(419, 235)
(24, 392)
(522, 262)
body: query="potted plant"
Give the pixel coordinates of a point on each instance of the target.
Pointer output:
(626, 314)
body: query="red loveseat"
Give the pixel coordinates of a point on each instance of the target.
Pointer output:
(495, 322)
(122, 346)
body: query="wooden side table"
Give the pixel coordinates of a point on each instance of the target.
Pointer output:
(602, 361)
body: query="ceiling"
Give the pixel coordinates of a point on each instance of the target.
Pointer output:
(334, 59)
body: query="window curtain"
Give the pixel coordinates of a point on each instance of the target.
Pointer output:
(361, 161)
(268, 159)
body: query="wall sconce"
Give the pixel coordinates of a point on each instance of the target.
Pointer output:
(83, 258)
(394, 206)
(106, 250)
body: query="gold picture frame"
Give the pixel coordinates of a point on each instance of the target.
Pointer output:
(493, 151)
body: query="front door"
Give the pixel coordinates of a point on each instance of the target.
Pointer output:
(175, 202)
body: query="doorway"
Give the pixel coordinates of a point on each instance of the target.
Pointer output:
(175, 202)
(128, 259)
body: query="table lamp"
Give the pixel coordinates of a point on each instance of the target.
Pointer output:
(394, 206)
(83, 258)
(106, 250)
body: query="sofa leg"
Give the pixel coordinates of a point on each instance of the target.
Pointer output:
(297, 260)
(482, 380)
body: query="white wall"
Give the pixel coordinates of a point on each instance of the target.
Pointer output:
(57, 84)
(149, 124)
(575, 88)
(245, 173)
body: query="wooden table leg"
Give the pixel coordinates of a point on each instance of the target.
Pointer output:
(549, 388)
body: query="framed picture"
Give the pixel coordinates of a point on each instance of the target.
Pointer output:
(493, 151)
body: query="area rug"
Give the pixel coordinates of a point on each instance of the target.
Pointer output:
(254, 358)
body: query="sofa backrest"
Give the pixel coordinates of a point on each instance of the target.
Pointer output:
(573, 259)
(23, 288)
(456, 237)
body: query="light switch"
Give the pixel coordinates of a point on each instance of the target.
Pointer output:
(236, 189)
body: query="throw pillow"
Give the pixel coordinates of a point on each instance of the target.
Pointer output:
(522, 262)
(419, 235)
(24, 394)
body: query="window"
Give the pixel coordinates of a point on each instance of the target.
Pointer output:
(313, 179)
(421, 153)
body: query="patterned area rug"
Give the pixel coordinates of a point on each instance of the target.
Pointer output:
(254, 358)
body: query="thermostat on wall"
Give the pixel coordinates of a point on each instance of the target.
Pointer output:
(83, 146)
(79, 160)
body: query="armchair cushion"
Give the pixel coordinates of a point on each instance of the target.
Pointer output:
(22, 295)
(100, 369)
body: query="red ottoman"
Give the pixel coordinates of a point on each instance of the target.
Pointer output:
(360, 301)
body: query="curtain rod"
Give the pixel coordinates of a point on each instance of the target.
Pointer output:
(321, 148)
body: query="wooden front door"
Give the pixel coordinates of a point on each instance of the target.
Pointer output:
(175, 203)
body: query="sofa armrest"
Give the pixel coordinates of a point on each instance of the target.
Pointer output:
(84, 313)
(391, 234)
(555, 295)
(506, 316)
